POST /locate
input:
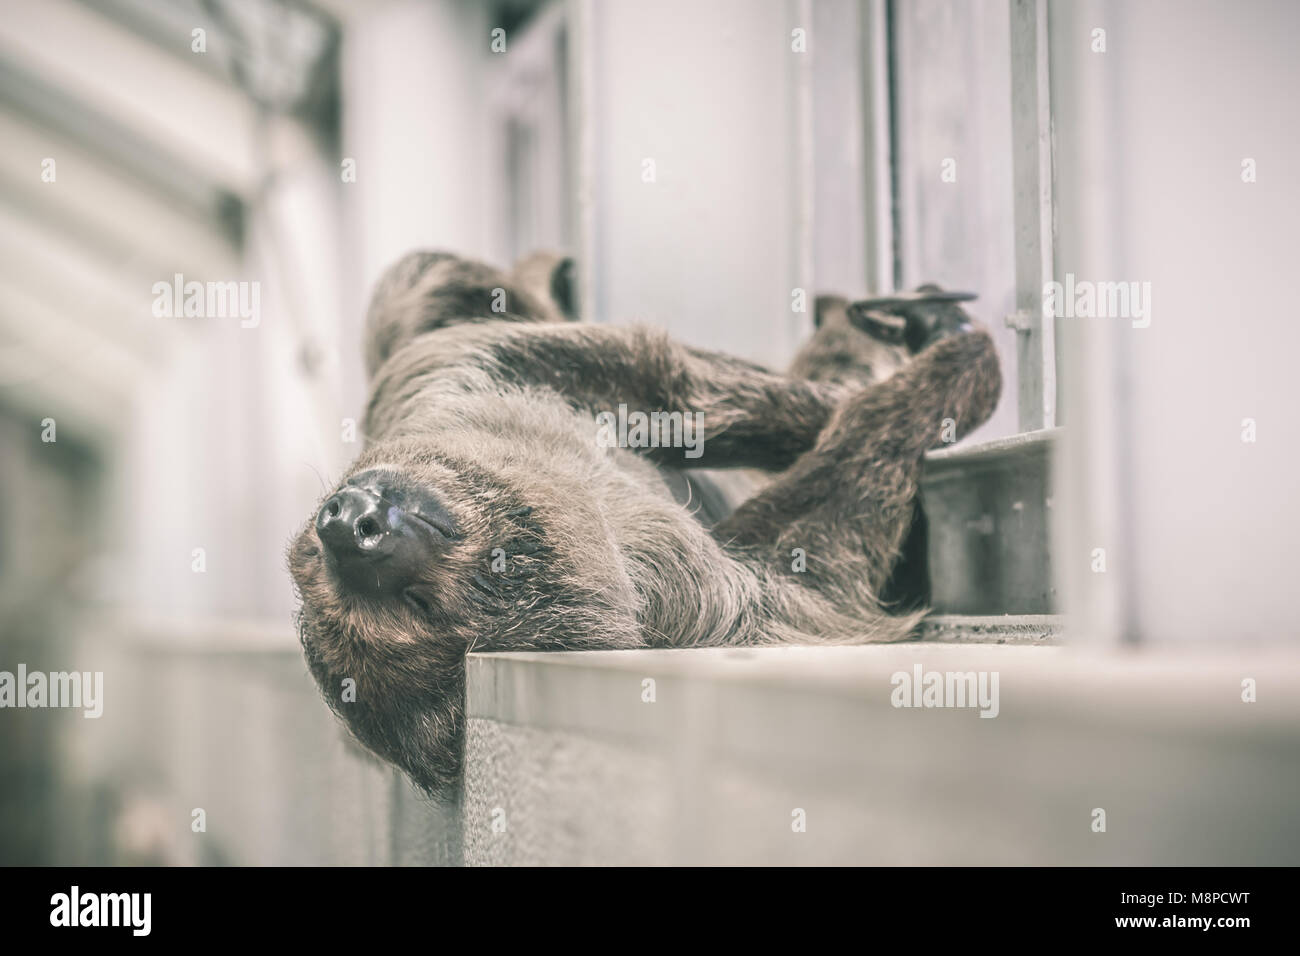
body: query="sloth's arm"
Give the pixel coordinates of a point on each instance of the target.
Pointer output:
(748, 416)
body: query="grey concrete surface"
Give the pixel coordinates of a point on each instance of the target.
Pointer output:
(573, 766)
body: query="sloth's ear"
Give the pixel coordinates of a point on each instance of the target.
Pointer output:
(564, 287)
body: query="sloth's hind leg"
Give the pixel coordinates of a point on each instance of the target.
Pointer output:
(848, 502)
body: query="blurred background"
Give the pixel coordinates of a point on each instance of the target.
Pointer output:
(703, 162)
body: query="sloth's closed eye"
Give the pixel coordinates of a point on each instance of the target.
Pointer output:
(436, 522)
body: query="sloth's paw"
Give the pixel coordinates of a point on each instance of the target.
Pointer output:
(914, 319)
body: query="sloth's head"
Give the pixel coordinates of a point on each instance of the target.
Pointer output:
(384, 620)
(414, 560)
(394, 572)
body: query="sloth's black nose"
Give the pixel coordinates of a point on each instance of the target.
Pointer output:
(375, 546)
(352, 523)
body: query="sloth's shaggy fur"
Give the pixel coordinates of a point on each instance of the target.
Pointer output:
(493, 413)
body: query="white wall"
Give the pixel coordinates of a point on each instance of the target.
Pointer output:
(839, 168)
(414, 118)
(1200, 528)
(708, 250)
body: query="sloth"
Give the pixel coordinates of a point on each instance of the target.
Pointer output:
(484, 514)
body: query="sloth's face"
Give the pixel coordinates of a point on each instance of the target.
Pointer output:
(380, 535)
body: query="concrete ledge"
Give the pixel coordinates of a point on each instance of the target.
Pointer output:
(992, 629)
(996, 450)
(708, 756)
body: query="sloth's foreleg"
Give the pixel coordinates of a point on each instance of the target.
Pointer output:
(740, 415)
